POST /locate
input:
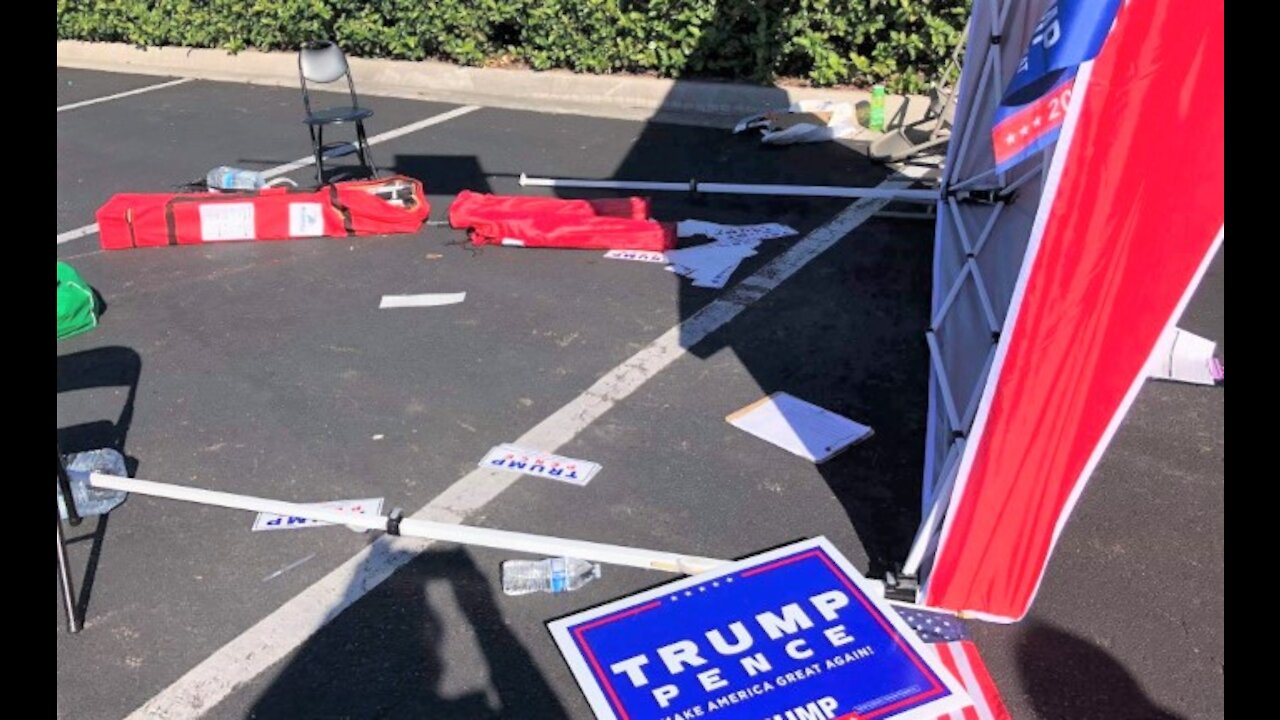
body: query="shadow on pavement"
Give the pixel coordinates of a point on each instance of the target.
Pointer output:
(401, 652)
(846, 334)
(104, 367)
(1070, 678)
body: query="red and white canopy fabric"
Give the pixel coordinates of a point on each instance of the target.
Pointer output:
(1054, 282)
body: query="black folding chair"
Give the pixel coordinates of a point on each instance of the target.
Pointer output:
(323, 62)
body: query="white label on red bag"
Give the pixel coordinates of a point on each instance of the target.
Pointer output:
(306, 219)
(226, 221)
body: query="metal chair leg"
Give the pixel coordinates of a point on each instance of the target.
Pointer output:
(64, 484)
(317, 147)
(64, 573)
(366, 156)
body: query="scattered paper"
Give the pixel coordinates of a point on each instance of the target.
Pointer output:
(648, 256)
(799, 427)
(269, 521)
(532, 462)
(805, 121)
(423, 300)
(734, 234)
(710, 265)
(1186, 357)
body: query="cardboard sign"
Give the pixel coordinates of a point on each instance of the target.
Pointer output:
(794, 633)
(268, 521)
(532, 462)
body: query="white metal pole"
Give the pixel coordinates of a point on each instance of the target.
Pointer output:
(933, 519)
(914, 196)
(424, 529)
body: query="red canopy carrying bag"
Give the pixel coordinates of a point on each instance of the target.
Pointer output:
(381, 206)
(608, 224)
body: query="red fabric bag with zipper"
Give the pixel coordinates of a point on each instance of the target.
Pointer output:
(540, 222)
(380, 206)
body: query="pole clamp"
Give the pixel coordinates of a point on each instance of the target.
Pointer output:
(393, 521)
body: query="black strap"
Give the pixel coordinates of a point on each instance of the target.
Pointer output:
(342, 210)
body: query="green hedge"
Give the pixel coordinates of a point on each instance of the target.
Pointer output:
(897, 42)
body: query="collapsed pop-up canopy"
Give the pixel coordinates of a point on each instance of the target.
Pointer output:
(1075, 222)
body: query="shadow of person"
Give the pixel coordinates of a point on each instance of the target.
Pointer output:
(103, 367)
(408, 650)
(1070, 678)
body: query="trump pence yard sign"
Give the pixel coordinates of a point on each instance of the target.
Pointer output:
(793, 634)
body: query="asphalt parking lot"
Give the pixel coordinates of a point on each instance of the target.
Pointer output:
(268, 369)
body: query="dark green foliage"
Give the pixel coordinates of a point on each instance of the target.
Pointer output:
(897, 42)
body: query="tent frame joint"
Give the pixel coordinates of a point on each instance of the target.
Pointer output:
(901, 587)
(393, 521)
(989, 196)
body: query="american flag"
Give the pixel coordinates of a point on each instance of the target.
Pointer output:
(947, 636)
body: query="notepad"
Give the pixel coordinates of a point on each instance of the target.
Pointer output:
(799, 427)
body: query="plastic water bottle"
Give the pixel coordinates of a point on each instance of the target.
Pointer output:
(877, 108)
(92, 501)
(553, 575)
(229, 178)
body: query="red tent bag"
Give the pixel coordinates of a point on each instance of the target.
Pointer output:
(381, 206)
(608, 224)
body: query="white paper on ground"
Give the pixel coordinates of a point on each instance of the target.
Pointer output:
(531, 462)
(843, 123)
(423, 300)
(734, 233)
(648, 256)
(268, 521)
(712, 264)
(1182, 356)
(799, 427)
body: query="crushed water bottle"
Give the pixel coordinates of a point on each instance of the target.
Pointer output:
(92, 501)
(229, 178)
(553, 575)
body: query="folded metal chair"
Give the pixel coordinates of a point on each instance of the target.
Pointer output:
(934, 130)
(322, 62)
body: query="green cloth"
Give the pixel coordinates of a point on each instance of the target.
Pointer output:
(77, 306)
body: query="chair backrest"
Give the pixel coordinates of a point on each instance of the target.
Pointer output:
(322, 61)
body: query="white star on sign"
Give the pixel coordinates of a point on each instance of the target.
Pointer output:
(1025, 130)
(1010, 138)
(1036, 122)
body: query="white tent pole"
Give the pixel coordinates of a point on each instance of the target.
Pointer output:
(424, 529)
(997, 30)
(969, 130)
(992, 323)
(944, 386)
(972, 408)
(932, 519)
(986, 229)
(973, 180)
(905, 195)
(945, 307)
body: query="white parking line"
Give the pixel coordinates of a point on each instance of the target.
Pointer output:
(285, 629)
(302, 162)
(126, 93)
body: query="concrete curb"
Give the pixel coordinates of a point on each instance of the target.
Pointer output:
(618, 96)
